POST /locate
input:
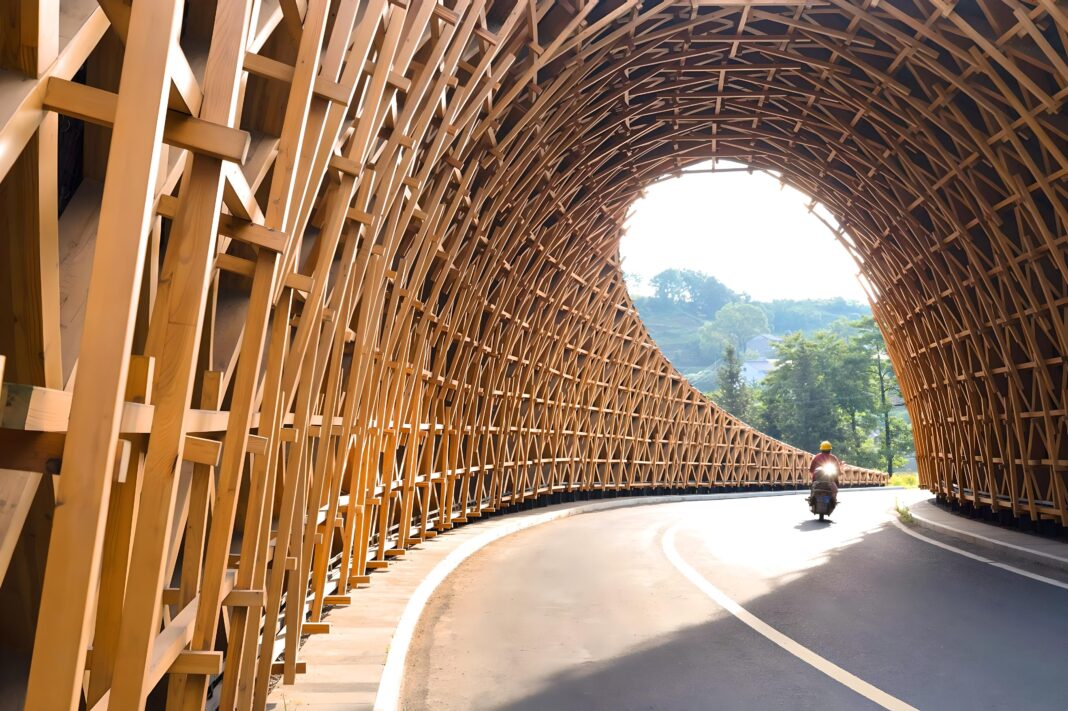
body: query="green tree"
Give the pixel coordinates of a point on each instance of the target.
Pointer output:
(707, 293)
(897, 442)
(739, 322)
(809, 315)
(686, 286)
(851, 381)
(712, 342)
(670, 285)
(834, 380)
(798, 405)
(842, 389)
(733, 392)
(896, 435)
(692, 283)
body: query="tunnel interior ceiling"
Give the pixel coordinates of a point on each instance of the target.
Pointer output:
(292, 287)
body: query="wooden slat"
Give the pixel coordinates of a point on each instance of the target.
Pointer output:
(17, 490)
(99, 107)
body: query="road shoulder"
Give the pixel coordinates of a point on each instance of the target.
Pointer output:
(1004, 544)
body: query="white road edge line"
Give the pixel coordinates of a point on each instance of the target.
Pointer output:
(1039, 557)
(387, 697)
(803, 653)
(967, 554)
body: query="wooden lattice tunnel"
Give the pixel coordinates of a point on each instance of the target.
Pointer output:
(292, 285)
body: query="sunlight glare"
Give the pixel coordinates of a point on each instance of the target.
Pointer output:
(747, 229)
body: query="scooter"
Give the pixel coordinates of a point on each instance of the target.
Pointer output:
(824, 493)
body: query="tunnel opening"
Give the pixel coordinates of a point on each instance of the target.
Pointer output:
(938, 215)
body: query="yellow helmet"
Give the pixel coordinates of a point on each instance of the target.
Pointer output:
(825, 446)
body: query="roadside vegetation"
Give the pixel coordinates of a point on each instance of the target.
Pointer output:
(693, 317)
(903, 512)
(909, 481)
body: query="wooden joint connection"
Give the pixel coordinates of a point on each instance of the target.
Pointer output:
(200, 450)
(280, 667)
(257, 444)
(234, 227)
(180, 130)
(244, 598)
(197, 662)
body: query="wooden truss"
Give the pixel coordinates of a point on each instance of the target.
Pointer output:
(290, 286)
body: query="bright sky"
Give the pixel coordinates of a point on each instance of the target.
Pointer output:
(744, 229)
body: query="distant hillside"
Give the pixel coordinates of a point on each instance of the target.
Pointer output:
(790, 316)
(673, 325)
(687, 319)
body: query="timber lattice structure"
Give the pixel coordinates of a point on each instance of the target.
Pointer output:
(292, 285)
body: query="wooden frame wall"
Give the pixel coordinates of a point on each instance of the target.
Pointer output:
(350, 278)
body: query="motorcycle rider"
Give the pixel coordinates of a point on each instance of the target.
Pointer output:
(824, 457)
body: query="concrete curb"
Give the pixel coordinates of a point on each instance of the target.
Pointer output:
(1001, 548)
(389, 686)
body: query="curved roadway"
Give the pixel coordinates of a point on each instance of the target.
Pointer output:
(628, 609)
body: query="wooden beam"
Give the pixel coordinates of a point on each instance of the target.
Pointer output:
(17, 489)
(77, 530)
(383, 262)
(180, 130)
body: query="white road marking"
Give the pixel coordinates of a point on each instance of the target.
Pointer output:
(967, 554)
(387, 698)
(795, 648)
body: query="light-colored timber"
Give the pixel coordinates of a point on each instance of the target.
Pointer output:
(290, 287)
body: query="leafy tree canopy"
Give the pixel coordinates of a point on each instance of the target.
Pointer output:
(739, 322)
(733, 394)
(705, 293)
(713, 344)
(833, 378)
(841, 389)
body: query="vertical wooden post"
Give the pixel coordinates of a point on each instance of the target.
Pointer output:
(174, 340)
(75, 545)
(29, 239)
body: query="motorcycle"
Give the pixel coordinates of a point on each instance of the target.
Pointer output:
(823, 496)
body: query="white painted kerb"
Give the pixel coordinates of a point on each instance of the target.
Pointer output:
(992, 544)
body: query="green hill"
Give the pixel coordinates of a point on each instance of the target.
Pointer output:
(682, 318)
(673, 325)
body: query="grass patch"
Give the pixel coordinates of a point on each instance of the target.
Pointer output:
(909, 481)
(903, 512)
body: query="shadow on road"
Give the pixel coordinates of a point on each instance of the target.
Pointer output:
(813, 524)
(890, 610)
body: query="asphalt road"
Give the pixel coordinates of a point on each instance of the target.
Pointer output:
(625, 609)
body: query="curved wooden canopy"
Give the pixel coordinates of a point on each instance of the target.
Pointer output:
(318, 279)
